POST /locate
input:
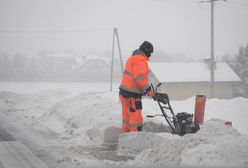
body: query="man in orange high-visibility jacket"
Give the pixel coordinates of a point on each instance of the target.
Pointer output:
(135, 84)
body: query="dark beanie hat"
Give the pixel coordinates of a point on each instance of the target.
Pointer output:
(147, 48)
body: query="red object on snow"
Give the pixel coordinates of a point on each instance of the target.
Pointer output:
(199, 108)
(228, 123)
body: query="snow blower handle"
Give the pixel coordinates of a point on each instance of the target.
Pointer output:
(151, 116)
(160, 97)
(153, 88)
(155, 92)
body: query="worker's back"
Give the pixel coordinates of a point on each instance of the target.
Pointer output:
(135, 76)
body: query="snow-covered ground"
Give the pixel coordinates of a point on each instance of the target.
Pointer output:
(73, 123)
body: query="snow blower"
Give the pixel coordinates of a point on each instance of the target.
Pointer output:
(181, 123)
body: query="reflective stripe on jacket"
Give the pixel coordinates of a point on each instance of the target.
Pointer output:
(135, 76)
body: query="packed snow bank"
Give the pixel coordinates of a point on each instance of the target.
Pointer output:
(215, 145)
(83, 118)
(132, 144)
(30, 106)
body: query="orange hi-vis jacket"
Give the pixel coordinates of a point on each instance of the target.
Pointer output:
(135, 76)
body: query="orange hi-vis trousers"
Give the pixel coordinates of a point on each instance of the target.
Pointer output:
(131, 114)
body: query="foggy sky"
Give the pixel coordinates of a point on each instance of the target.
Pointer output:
(175, 26)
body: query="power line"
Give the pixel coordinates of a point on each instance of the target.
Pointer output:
(238, 6)
(54, 31)
(199, 4)
(223, 6)
(235, 5)
(205, 9)
(242, 3)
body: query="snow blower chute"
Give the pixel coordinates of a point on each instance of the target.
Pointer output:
(181, 123)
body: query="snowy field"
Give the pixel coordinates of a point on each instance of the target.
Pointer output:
(77, 125)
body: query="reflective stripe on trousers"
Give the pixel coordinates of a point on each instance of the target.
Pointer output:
(131, 114)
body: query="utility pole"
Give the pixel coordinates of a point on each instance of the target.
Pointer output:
(212, 58)
(212, 66)
(115, 35)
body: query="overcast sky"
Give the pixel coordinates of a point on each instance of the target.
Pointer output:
(175, 26)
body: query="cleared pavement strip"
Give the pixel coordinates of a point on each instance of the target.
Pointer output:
(5, 136)
(14, 154)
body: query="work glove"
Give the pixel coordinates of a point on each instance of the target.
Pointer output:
(150, 92)
(155, 97)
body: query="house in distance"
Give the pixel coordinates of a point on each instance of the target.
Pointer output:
(184, 80)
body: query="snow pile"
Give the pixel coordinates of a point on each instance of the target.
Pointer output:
(30, 106)
(235, 110)
(83, 118)
(215, 145)
(132, 144)
(80, 123)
